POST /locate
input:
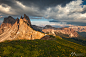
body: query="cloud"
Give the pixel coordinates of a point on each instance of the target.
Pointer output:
(35, 17)
(71, 12)
(1, 16)
(20, 10)
(84, 9)
(43, 4)
(30, 10)
(62, 10)
(30, 7)
(7, 9)
(77, 23)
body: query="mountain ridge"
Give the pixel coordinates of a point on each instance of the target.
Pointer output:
(21, 29)
(48, 29)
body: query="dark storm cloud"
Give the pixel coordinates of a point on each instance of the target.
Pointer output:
(69, 10)
(84, 10)
(9, 3)
(36, 18)
(42, 4)
(77, 23)
(72, 23)
(54, 21)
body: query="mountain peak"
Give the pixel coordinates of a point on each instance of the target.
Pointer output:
(21, 17)
(25, 15)
(27, 19)
(9, 19)
(17, 20)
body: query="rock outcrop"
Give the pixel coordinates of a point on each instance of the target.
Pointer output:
(21, 29)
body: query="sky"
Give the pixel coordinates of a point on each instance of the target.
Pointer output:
(59, 13)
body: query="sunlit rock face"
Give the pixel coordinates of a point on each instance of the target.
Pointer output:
(20, 29)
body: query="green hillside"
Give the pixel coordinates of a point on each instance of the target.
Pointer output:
(40, 48)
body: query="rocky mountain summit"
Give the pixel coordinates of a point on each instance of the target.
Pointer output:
(12, 29)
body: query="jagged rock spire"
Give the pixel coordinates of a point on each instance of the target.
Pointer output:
(17, 20)
(27, 19)
(21, 17)
(25, 15)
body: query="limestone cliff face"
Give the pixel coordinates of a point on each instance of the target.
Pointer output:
(21, 29)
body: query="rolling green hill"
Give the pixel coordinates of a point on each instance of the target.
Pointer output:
(40, 48)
